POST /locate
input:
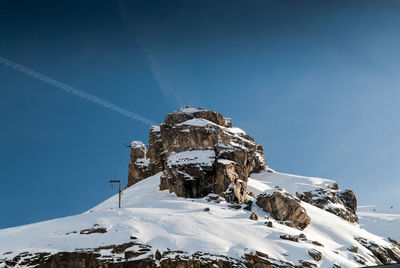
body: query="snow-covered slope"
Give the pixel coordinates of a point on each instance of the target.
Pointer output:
(159, 220)
(266, 181)
(381, 220)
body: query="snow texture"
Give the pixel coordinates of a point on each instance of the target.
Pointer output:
(137, 144)
(163, 220)
(201, 157)
(381, 220)
(198, 122)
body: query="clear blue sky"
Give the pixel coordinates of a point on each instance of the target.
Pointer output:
(316, 82)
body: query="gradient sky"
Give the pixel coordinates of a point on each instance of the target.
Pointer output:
(316, 82)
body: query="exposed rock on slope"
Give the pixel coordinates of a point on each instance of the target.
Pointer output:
(199, 153)
(385, 255)
(340, 203)
(282, 206)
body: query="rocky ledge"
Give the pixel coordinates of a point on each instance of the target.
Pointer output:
(199, 152)
(333, 200)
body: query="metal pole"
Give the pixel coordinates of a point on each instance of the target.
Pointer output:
(119, 195)
(119, 192)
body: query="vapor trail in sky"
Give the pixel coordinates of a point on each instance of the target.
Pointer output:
(76, 92)
(162, 81)
(155, 68)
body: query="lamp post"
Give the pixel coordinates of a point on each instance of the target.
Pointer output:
(119, 192)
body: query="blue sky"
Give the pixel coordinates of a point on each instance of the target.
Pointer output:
(316, 82)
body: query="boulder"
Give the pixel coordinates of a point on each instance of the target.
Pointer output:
(315, 254)
(254, 216)
(293, 238)
(282, 206)
(353, 249)
(248, 204)
(317, 243)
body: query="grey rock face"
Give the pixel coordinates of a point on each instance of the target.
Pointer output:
(282, 206)
(199, 153)
(340, 203)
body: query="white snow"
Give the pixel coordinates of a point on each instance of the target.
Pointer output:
(155, 128)
(137, 144)
(264, 181)
(236, 130)
(163, 220)
(201, 157)
(381, 220)
(142, 162)
(225, 161)
(198, 122)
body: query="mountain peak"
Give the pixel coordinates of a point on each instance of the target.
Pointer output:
(199, 153)
(189, 112)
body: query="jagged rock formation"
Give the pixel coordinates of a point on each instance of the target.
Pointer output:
(340, 203)
(384, 255)
(138, 166)
(282, 206)
(199, 153)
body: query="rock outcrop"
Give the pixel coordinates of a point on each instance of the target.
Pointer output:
(141, 259)
(282, 206)
(199, 152)
(315, 254)
(340, 203)
(138, 165)
(383, 254)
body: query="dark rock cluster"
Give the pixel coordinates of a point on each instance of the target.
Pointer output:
(142, 258)
(333, 200)
(382, 254)
(199, 152)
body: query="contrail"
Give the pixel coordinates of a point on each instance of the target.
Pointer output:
(155, 68)
(162, 81)
(76, 92)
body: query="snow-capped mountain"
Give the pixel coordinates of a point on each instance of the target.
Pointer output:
(202, 195)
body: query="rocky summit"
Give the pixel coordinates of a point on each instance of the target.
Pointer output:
(199, 152)
(201, 194)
